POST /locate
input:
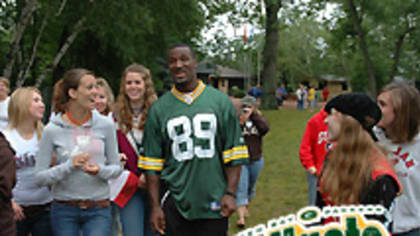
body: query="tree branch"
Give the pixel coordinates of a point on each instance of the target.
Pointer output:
(27, 12)
(22, 74)
(398, 46)
(70, 39)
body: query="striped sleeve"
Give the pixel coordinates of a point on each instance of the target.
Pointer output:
(151, 160)
(236, 153)
(151, 164)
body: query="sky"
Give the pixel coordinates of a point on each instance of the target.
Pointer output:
(232, 32)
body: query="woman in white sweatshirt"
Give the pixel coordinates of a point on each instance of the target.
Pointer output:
(30, 203)
(398, 131)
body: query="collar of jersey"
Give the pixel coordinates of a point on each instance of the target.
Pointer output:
(194, 95)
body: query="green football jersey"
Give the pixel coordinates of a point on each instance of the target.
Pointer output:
(188, 141)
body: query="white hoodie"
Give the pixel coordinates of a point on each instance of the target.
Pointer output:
(406, 160)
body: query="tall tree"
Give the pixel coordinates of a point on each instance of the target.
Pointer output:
(269, 74)
(357, 21)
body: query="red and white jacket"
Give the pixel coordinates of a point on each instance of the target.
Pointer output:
(314, 145)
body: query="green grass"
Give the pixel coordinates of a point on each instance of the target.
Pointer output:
(282, 186)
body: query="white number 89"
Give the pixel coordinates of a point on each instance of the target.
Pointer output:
(185, 137)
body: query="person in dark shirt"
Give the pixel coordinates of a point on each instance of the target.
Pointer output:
(7, 182)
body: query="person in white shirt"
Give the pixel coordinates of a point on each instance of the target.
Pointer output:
(4, 102)
(103, 104)
(30, 203)
(399, 132)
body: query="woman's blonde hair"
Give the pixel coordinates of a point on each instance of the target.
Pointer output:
(101, 82)
(19, 108)
(123, 110)
(350, 166)
(406, 102)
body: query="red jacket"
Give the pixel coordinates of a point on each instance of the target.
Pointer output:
(314, 145)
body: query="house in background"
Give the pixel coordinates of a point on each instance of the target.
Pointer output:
(220, 77)
(335, 84)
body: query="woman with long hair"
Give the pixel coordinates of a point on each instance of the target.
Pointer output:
(356, 171)
(87, 156)
(30, 203)
(398, 131)
(135, 98)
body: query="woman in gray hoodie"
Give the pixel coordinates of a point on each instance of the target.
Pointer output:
(86, 148)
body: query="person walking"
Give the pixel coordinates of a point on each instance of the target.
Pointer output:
(193, 143)
(254, 128)
(356, 171)
(31, 204)
(87, 157)
(135, 98)
(399, 132)
(313, 148)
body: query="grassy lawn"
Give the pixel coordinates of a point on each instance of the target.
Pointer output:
(281, 187)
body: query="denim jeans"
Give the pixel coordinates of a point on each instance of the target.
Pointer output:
(247, 181)
(70, 220)
(36, 225)
(300, 104)
(115, 220)
(135, 215)
(312, 187)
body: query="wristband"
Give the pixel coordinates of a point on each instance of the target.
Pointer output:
(230, 194)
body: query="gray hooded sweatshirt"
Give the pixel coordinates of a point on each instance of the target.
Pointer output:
(97, 137)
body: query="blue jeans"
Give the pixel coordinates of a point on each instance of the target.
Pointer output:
(300, 104)
(312, 187)
(135, 215)
(247, 181)
(70, 220)
(115, 220)
(37, 224)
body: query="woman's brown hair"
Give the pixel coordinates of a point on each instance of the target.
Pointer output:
(123, 109)
(71, 80)
(350, 165)
(406, 102)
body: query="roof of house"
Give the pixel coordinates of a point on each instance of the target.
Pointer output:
(333, 78)
(205, 67)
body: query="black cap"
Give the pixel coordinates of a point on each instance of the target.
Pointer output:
(359, 106)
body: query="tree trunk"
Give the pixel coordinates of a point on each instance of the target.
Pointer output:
(270, 54)
(397, 53)
(26, 14)
(22, 73)
(363, 46)
(70, 39)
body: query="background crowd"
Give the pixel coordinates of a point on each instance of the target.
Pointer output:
(102, 166)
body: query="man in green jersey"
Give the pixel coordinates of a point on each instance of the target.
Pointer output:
(192, 143)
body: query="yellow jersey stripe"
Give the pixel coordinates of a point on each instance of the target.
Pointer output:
(149, 159)
(147, 167)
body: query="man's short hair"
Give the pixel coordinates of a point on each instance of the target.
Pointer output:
(182, 45)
